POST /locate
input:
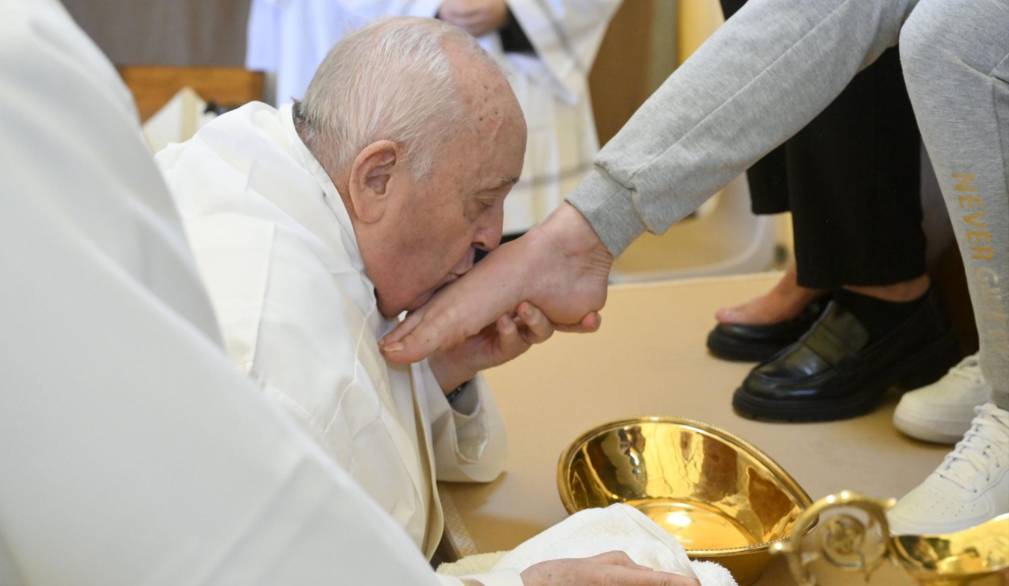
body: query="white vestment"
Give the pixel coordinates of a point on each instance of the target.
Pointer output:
(551, 85)
(289, 38)
(132, 452)
(277, 251)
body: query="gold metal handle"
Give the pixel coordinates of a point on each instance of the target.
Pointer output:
(851, 533)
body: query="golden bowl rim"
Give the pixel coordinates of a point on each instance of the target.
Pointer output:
(804, 500)
(907, 561)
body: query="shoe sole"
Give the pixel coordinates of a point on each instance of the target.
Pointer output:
(925, 367)
(927, 432)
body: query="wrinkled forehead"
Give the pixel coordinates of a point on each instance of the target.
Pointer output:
(483, 91)
(486, 143)
(487, 154)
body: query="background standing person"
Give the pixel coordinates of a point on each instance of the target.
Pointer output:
(851, 179)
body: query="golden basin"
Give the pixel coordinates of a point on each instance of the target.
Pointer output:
(721, 497)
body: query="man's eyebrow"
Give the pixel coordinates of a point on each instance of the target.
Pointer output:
(504, 181)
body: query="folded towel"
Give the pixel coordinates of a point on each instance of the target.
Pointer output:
(712, 574)
(618, 527)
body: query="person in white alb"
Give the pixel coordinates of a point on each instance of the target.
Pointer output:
(546, 50)
(288, 39)
(315, 225)
(133, 453)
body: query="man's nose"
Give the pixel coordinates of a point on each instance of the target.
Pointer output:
(488, 234)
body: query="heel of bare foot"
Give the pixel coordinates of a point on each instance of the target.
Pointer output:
(783, 302)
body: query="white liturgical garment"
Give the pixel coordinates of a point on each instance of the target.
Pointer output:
(277, 251)
(132, 451)
(291, 38)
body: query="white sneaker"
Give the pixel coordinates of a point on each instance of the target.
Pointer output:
(969, 487)
(942, 411)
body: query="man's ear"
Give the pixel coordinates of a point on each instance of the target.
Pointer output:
(370, 175)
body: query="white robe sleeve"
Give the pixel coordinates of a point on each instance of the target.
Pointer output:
(374, 9)
(262, 48)
(290, 38)
(133, 452)
(469, 441)
(566, 35)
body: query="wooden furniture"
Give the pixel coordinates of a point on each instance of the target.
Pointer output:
(152, 86)
(644, 43)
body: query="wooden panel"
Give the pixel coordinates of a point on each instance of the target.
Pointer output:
(637, 54)
(619, 79)
(153, 86)
(695, 21)
(166, 32)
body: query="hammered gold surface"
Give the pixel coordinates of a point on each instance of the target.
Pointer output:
(720, 496)
(977, 551)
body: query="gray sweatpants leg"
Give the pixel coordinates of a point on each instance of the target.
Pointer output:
(955, 55)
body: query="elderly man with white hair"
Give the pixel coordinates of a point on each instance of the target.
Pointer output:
(315, 225)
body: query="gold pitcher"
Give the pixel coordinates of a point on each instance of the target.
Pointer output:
(852, 534)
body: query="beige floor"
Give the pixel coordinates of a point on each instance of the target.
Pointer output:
(649, 359)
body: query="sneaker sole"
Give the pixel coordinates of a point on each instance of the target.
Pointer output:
(930, 431)
(920, 369)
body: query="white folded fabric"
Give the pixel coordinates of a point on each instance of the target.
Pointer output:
(176, 121)
(618, 527)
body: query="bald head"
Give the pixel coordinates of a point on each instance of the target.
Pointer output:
(487, 102)
(420, 83)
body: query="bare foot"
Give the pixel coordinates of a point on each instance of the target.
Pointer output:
(560, 266)
(783, 302)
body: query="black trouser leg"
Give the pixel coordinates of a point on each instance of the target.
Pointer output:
(851, 181)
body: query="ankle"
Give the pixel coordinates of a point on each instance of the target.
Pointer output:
(569, 233)
(797, 295)
(788, 288)
(902, 292)
(878, 316)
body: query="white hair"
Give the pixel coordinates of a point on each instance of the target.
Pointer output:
(388, 81)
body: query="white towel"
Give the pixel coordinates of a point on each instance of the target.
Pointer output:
(617, 527)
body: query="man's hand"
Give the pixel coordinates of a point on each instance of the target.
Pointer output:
(607, 569)
(477, 17)
(505, 339)
(560, 266)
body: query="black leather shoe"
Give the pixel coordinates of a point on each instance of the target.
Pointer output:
(834, 372)
(760, 343)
